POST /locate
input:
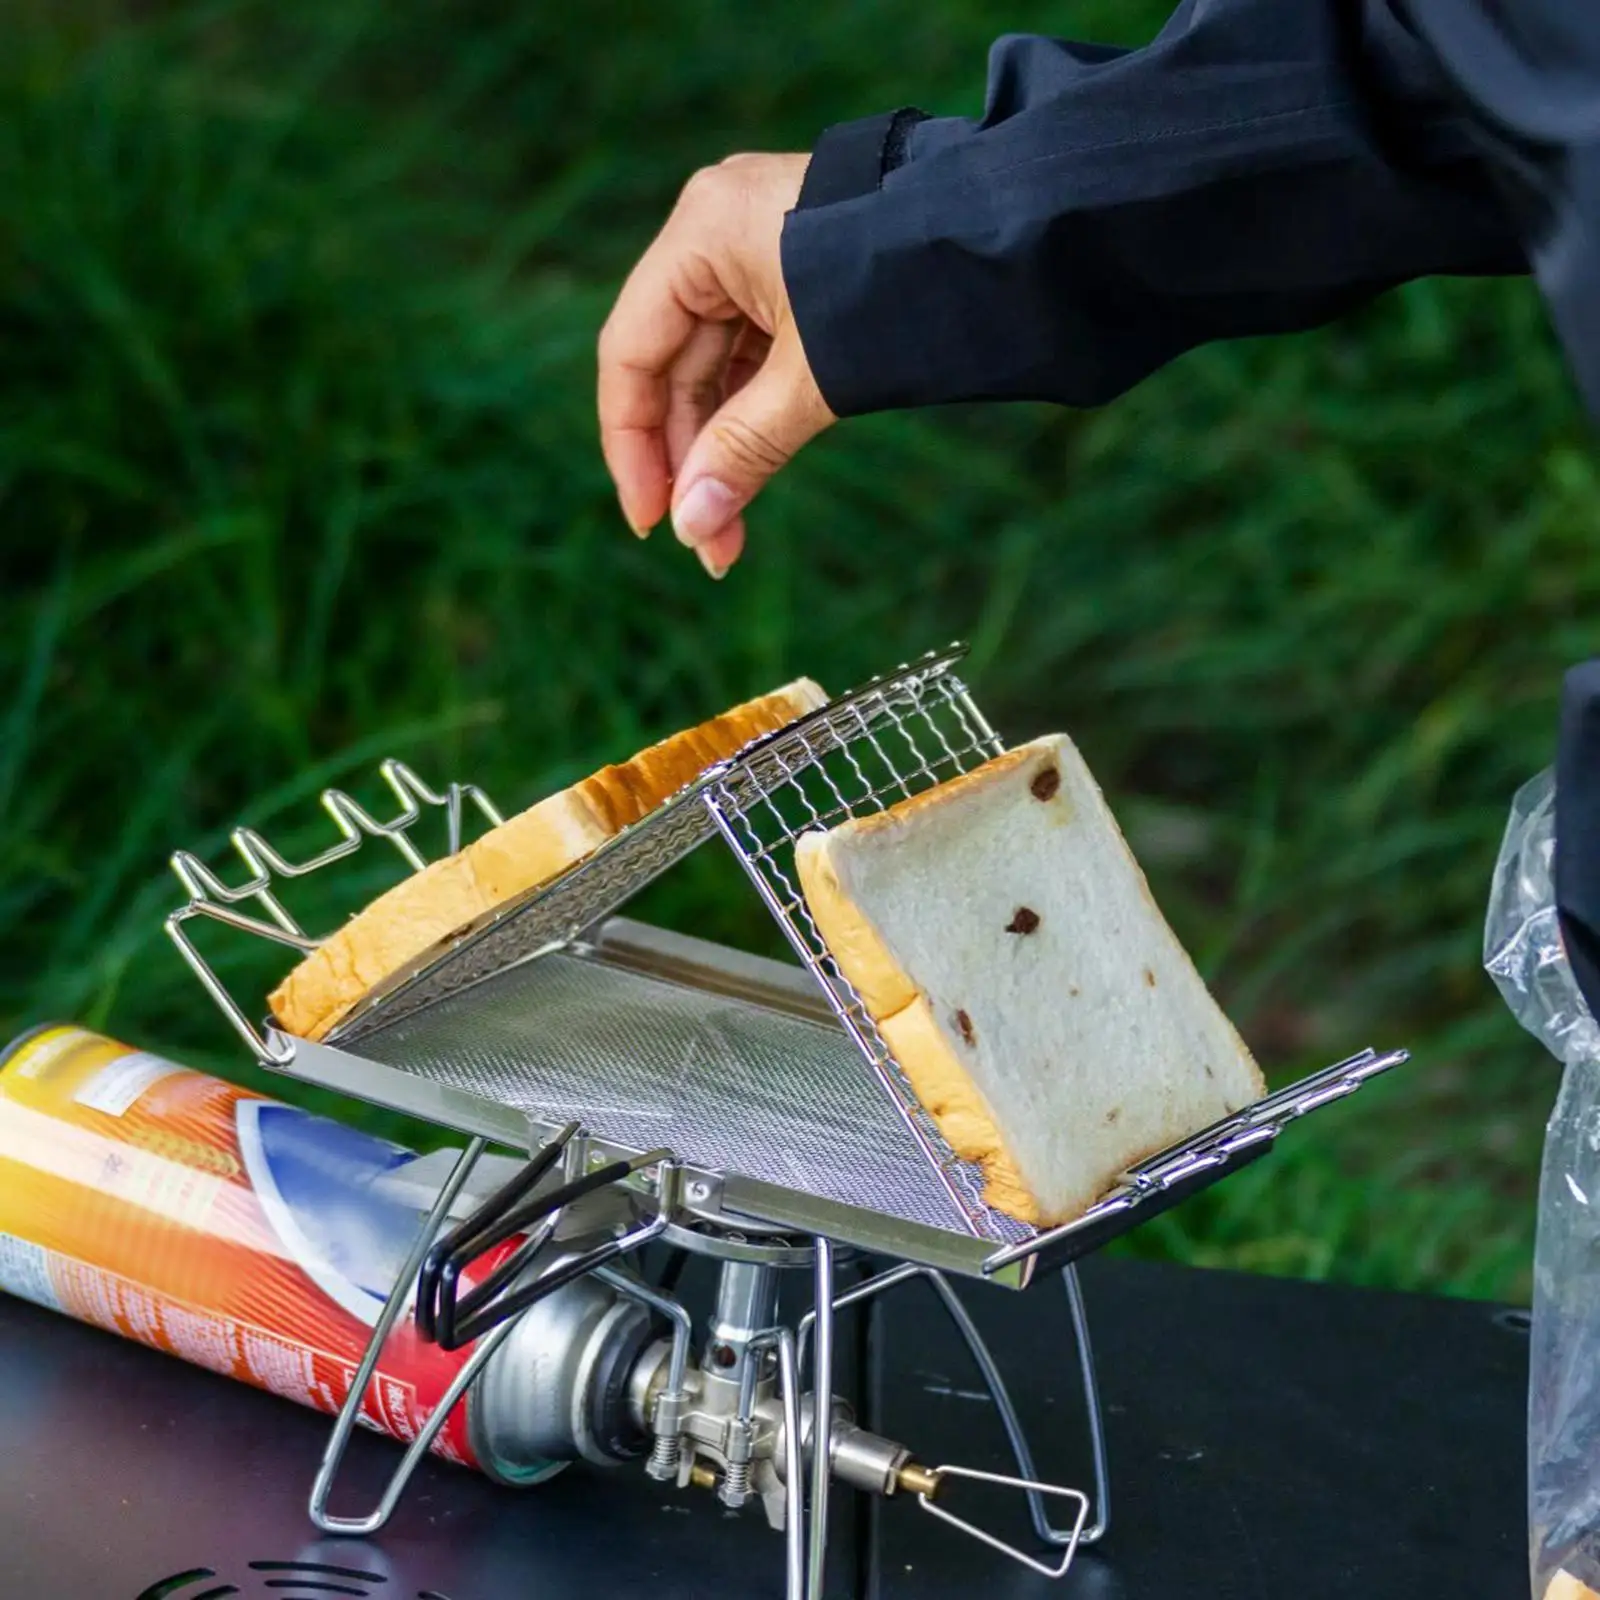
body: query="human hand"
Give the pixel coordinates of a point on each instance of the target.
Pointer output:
(704, 387)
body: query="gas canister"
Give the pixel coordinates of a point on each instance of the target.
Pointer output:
(260, 1241)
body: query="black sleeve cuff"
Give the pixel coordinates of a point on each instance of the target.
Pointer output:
(851, 158)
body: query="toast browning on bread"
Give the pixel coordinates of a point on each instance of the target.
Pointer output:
(529, 849)
(1002, 937)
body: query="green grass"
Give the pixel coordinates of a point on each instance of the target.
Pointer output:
(298, 469)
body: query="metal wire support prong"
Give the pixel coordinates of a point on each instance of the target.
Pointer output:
(212, 899)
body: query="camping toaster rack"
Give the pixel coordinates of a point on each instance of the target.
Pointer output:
(669, 1089)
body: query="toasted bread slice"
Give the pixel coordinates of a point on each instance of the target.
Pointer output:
(530, 849)
(1566, 1587)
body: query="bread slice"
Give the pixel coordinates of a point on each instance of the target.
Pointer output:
(1566, 1587)
(1003, 938)
(557, 833)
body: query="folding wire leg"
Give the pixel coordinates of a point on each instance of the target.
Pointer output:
(988, 1367)
(1020, 1449)
(805, 1536)
(344, 1425)
(821, 1422)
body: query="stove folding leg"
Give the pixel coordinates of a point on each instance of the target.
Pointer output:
(344, 1425)
(1083, 1531)
(984, 1359)
(821, 1422)
(1097, 1425)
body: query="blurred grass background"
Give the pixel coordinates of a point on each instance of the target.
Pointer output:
(298, 469)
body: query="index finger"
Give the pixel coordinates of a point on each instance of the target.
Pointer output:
(648, 326)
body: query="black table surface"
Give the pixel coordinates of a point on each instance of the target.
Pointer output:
(1268, 1441)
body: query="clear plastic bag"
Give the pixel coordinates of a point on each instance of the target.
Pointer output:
(1524, 954)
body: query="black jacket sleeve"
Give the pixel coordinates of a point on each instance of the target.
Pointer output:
(1262, 166)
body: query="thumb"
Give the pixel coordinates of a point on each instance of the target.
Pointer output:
(746, 441)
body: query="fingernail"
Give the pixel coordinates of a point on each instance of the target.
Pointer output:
(641, 529)
(714, 567)
(707, 507)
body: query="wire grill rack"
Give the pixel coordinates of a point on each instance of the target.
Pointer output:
(895, 737)
(847, 752)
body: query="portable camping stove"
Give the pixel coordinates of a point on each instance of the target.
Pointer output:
(727, 1105)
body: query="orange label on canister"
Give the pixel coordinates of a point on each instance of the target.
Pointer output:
(211, 1222)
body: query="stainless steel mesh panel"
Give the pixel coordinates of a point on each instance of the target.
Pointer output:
(644, 1062)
